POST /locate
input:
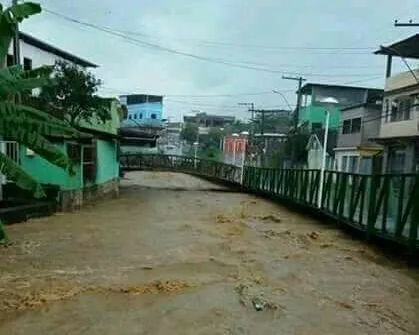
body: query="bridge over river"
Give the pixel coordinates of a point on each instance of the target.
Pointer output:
(176, 254)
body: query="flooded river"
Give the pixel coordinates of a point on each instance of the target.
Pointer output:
(178, 255)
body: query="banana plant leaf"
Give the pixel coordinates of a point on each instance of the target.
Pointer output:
(38, 144)
(14, 79)
(16, 174)
(8, 20)
(33, 120)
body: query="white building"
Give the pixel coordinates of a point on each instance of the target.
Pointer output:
(399, 131)
(35, 53)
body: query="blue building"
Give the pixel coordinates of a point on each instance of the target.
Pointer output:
(143, 110)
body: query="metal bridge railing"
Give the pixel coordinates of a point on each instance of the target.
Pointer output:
(380, 205)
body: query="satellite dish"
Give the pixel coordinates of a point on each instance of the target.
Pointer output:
(329, 100)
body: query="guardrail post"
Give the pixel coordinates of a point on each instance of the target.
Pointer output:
(414, 219)
(371, 206)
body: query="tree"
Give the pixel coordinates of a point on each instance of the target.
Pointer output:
(237, 127)
(273, 123)
(74, 95)
(210, 143)
(189, 133)
(26, 125)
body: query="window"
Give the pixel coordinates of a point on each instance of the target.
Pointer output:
(356, 125)
(153, 116)
(315, 126)
(352, 126)
(346, 127)
(365, 166)
(397, 161)
(74, 152)
(130, 116)
(141, 116)
(344, 163)
(401, 108)
(135, 116)
(89, 162)
(353, 164)
(27, 64)
(386, 109)
(10, 61)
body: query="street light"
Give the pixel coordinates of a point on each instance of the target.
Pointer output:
(244, 134)
(196, 144)
(283, 97)
(325, 101)
(235, 135)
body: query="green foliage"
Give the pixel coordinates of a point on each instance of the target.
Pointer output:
(189, 133)
(74, 95)
(296, 147)
(8, 20)
(237, 127)
(210, 143)
(273, 123)
(15, 173)
(21, 123)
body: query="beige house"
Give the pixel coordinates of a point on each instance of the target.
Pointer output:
(399, 131)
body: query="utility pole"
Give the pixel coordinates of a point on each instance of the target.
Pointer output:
(297, 109)
(251, 109)
(262, 129)
(406, 24)
(16, 42)
(299, 97)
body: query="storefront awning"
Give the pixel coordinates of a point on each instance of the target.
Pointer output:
(369, 151)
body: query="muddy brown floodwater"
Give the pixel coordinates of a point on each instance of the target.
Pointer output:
(178, 255)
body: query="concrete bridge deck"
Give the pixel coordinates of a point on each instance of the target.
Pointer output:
(162, 260)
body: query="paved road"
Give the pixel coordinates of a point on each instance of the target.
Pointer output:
(163, 259)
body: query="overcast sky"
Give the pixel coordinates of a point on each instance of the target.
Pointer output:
(269, 34)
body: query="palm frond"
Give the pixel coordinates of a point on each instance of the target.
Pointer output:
(14, 80)
(10, 112)
(8, 20)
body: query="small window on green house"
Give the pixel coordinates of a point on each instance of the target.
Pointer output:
(74, 152)
(315, 126)
(89, 163)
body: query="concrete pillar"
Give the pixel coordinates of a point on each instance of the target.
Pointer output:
(410, 158)
(386, 160)
(389, 66)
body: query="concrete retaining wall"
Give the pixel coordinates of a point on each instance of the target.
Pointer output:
(71, 200)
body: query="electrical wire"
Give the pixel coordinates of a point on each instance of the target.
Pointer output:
(249, 46)
(156, 46)
(122, 92)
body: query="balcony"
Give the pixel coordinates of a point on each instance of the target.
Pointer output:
(401, 81)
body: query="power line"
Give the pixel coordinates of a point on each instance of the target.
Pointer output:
(215, 105)
(194, 56)
(250, 46)
(363, 80)
(123, 92)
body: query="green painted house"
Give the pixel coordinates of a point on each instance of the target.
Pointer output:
(96, 163)
(312, 112)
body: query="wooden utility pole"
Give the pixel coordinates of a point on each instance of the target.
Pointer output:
(262, 129)
(16, 42)
(299, 97)
(297, 109)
